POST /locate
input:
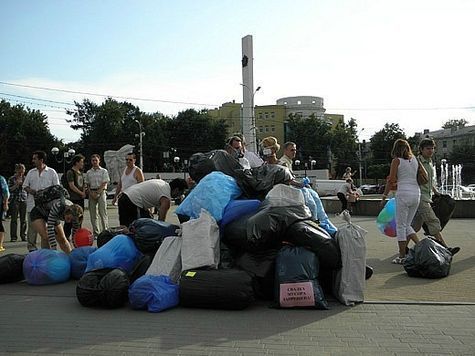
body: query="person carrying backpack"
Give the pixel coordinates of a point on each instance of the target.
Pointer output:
(73, 182)
(51, 207)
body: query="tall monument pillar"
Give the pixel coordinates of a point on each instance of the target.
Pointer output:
(248, 118)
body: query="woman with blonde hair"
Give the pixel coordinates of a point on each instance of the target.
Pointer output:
(403, 172)
(270, 147)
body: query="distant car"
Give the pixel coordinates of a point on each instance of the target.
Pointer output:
(370, 188)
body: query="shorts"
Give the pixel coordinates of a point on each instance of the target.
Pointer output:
(37, 213)
(426, 215)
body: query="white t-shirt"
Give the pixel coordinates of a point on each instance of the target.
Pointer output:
(147, 194)
(37, 181)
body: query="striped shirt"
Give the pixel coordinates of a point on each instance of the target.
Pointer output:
(96, 177)
(55, 215)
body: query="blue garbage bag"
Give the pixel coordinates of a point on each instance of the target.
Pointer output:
(313, 202)
(46, 267)
(120, 252)
(237, 208)
(78, 258)
(212, 193)
(154, 293)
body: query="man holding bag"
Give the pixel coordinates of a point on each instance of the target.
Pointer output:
(424, 213)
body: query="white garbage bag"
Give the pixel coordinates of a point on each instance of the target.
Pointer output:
(167, 260)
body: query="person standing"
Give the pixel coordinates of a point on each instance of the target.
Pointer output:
(131, 175)
(4, 195)
(97, 179)
(403, 171)
(348, 173)
(424, 213)
(290, 150)
(137, 200)
(37, 178)
(76, 187)
(18, 203)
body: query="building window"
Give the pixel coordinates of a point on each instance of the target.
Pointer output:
(444, 144)
(285, 103)
(272, 115)
(314, 102)
(272, 128)
(453, 142)
(260, 115)
(299, 102)
(260, 129)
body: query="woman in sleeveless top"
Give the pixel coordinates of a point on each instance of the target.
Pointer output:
(404, 172)
(131, 175)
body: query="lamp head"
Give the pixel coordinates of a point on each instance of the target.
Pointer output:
(55, 151)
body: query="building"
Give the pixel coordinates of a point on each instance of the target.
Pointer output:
(447, 139)
(271, 120)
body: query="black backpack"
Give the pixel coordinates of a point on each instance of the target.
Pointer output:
(54, 192)
(64, 181)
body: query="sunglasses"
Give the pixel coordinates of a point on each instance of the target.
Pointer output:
(129, 159)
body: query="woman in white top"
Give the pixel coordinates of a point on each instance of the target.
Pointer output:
(404, 172)
(131, 175)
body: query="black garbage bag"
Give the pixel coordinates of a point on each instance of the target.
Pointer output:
(11, 268)
(217, 289)
(226, 256)
(107, 235)
(296, 282)
(267, 228)
(234, 235)
(201, 164)
(261, 267)
(428, 259)
(258, 181)
(140, 268)
(309, 234)
(444, 207)
(107, 288)
(148, 234)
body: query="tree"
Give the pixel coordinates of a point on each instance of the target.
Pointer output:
(23, 131)
(381, 144)
(194, 131)
(464, 155)
(344, 146)
(454, 123)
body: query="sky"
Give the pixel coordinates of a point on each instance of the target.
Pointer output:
(410, 62)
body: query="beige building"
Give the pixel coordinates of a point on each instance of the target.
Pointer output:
(271, 120)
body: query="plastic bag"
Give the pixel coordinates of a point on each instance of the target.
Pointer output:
(285, 195)
(257, 182)
(212, 193)
(120, 252)
(308, 233)
(200, 245)
(167, 260)
(428, 259)
(313, 202)
(154, 293)
(237, 208)
(11, 268)
(296, 282)
(349, 282)
(46, 267)
(107, 235)
(148, 234)
(106, 288)
(266, 229)
(78, 258)
(202, 164)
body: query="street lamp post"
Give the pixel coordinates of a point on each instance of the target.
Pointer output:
(140, 135)
(253, 118)
(176, 160)
(67, 156)
(359, 158)
(185, 168)
(297, 163)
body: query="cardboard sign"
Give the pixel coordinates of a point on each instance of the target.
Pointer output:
(299, 294)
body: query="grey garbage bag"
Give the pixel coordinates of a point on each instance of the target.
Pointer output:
(349, 280)
(167, 260)
(428, 259)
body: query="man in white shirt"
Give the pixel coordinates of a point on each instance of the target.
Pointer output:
(97, 179)
(290, 150)
(135, 201)
(37, 178)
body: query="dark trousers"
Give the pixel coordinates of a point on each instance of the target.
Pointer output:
(18, 209)
(344, 201)
(129, 212)
(68, 227)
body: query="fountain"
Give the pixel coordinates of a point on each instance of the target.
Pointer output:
(453, 186)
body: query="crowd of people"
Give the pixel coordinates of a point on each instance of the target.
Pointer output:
(137, 197)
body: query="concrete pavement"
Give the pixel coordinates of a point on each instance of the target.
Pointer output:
(49, 320)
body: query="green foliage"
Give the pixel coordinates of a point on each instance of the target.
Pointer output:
(454, 123)
(378, 171)
(381, 143)
(22, 131)
(344, 146)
